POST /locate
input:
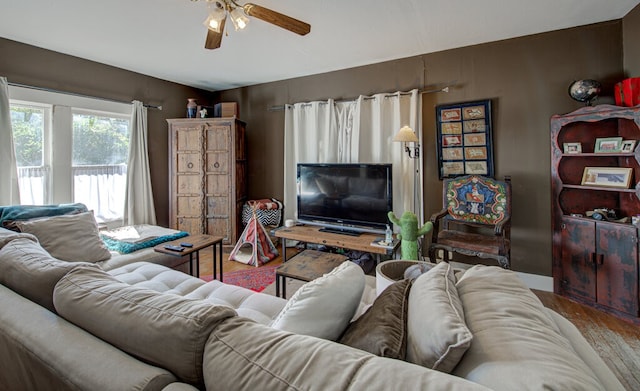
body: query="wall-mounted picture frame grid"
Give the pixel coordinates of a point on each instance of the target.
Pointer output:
(464, 144)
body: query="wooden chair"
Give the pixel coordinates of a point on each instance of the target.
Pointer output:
(475, 220)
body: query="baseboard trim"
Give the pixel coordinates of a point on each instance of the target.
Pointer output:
(533, 281)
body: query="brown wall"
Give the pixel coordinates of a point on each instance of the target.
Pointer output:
(630, 37)
(32, 66)
(527, 79)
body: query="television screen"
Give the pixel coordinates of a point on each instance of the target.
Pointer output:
(345, 197)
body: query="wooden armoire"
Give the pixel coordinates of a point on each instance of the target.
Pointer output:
(596, 257)
(207, 176)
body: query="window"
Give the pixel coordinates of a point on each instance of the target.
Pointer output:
(71, 149)
(28, 124)
(99, 164)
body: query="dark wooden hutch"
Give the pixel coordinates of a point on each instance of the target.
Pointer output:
(595, 261)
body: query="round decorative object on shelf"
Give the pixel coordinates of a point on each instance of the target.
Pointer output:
(585, 90)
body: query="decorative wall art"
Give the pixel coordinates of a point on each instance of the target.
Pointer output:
(464, 143)
(607, 177)
(628, 146)
(572, 147)
(608, 145)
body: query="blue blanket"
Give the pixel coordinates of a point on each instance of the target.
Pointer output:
(124, 247)
(27, 212)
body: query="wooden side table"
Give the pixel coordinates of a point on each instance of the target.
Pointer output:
(306, 266)
(199, 242)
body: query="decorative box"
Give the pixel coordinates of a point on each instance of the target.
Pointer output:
(226, 109)
(627, 92)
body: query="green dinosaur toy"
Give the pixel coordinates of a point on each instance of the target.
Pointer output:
(409, 233)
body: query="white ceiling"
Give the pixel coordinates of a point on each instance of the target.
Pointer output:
(165, 38)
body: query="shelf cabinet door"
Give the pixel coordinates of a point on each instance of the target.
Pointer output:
(578, 257)
(617, 267)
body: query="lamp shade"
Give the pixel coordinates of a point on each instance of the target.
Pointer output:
(215, 18)
(239, 19)
(406, 135)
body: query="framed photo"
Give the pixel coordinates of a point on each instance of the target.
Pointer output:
(627, 146)
(451, 128)
(464, 142)
(608, 145)
(452, 153)
(619, 177)
(453, 168)
(479, 168)
(572, 147)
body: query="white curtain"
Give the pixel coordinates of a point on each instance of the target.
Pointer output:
(138, 203)
(359, 131)
(9, 191)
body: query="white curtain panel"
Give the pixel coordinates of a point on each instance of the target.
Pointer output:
(359, 131)
(9, 191)
(311, 135)
(380, 118)
(138, 205)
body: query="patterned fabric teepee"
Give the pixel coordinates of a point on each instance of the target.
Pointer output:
(254, 246)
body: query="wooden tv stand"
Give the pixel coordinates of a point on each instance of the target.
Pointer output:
(312, 234)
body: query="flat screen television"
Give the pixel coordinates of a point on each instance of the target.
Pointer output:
(345, 198)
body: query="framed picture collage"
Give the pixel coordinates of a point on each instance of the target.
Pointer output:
(464, 142)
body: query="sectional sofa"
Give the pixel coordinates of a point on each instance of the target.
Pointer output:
(143, 326)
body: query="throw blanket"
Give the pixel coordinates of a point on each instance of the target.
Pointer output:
(9, 214)
(128, 239)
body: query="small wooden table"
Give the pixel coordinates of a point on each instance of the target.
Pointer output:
(306, 266)
(199, 242)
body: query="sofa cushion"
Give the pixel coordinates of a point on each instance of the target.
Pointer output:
(324, 307)
(256, 306)
(41, 351)
(437, 334)
(261, 358)
(28, 269)
(163, 329)
(514, 337)
(72, 238)
(382, 330)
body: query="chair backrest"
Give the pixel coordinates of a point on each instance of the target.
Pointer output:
(477, 199)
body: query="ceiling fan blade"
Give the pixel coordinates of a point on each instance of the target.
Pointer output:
(214, 39)
(280, 20)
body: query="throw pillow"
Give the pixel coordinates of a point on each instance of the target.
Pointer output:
(382, 330)
(72, 238)
(324, 307)
(437, 335)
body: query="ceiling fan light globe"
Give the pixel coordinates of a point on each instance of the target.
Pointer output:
(214, 20)
(239, 19)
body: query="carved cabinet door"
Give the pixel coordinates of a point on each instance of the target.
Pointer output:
(578, 254)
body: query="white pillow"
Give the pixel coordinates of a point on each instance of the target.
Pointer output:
(72, 238)
(437, 335)
(324, 307)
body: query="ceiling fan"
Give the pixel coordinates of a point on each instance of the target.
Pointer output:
(238, 14)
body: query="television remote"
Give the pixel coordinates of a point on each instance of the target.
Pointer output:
(186, 244)
(174, 248)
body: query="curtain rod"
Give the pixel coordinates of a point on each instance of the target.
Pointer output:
(421, 92)
(76, 94)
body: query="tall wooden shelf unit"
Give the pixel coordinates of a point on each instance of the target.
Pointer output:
(595, 262)
(207, 176)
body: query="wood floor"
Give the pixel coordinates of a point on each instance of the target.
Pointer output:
(615, 340)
